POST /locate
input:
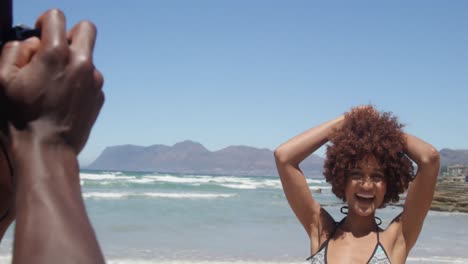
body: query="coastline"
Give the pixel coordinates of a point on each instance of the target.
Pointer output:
(142, 218)
(450, 197)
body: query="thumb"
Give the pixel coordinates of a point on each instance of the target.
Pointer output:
(15, 55)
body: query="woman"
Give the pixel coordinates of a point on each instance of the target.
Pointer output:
(368, 164)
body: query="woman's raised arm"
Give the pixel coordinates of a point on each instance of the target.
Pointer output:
(288, 156)
(421, 191)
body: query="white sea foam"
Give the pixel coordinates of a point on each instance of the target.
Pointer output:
(175, 179)
(253, 182)
(107, 176)
(189, 195)
(105, 195)
(272, 183)
(105, 182)
(226, 181)
(240, 186)
(437, 259)
(7, 259)
(142, 181)
(311, 181)
(137, 261)
(315, 187)
(125, 195)
(233, 182)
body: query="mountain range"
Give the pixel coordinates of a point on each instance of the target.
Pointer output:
(451, 156)
(189, 157)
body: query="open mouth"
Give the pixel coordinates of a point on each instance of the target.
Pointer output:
(365, 198)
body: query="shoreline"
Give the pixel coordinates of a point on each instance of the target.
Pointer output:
(411, 259)
(450, 197)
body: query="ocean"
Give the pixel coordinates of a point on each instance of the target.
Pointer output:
(170, 218)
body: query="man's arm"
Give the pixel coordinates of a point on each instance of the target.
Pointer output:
(51, 221)
(54, 96)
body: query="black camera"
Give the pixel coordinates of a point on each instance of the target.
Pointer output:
(20, 32)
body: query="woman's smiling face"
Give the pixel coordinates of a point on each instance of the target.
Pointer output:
(365, 187)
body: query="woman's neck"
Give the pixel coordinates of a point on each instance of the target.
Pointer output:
(359, 225)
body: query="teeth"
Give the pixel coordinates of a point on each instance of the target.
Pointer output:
(367, 196)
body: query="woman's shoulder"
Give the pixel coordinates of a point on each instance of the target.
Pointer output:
(321, 229)
(393, 231)
(394, 226)
(393, 241)
(324, 221)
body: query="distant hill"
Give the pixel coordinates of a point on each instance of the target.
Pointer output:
(193, 157)
(451, 157)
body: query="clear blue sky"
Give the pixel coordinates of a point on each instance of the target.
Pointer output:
(258, 72)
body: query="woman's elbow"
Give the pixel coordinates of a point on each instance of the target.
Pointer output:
(432, 157)
(280, 156)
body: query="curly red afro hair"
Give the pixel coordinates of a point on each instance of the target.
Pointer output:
(366, 132)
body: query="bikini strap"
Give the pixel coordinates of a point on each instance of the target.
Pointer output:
(377, 230)
(325, 244)
(337, 225)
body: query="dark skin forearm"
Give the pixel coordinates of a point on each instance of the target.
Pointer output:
(53, 96)
(48, 181)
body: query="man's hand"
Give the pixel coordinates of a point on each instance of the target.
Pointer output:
(51, 96)
(51, 85)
